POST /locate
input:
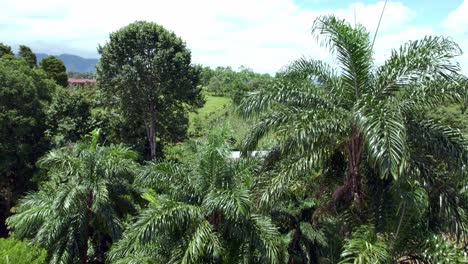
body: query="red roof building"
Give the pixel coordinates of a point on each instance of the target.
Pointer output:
(73, 83)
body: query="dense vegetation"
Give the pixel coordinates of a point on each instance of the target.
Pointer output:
(365, 164)
(14, 251)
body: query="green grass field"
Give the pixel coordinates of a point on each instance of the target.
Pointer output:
(217, 113)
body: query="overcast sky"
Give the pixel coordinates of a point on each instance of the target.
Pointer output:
(261, 34)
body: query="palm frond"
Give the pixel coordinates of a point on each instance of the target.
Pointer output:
(266, 239)
(384, 131)
(438, 139)
(234, 203)
(284, 91)
(318, 71)
(204, 242)
(365, 246)
(417, 61)
(429, 94)
(35, 210)
(353, 50)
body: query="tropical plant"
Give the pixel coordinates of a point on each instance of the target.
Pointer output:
(78, 212)
(200, 213)
(365, 246)
(15, 251)
(373, 121)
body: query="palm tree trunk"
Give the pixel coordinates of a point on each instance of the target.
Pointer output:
(84, 249)
(354, 155)
(84, 254)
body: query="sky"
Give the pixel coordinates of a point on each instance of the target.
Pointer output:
(264, 35)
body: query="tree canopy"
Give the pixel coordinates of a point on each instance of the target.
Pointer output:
(5, 50)
(55, 70)
(146, 69)
(68, 117)
(224, 81)
(24, 95)
(28, 55)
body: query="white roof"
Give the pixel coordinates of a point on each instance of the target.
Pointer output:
(257, 153)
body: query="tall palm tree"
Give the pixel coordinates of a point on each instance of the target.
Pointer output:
(364, 111)
(88, 192)
(199, 213)
(375, 118)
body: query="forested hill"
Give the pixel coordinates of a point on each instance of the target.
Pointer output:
(74, 63)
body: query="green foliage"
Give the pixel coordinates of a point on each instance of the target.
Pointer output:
(28, 55)
(213, 110)
(365, 246)
(223, 81)
(80, 75)
(146, 72)
(24, 95)
(68, 117)
(55, 70)
(439, 250)
(217, 113)
(14, 251)
(368, 163)
(200, 212)
(77, 213)
(5, 50)
(453, 114)
(317, 119)
(379, 159)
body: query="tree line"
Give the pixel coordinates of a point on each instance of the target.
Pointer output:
(362, 170)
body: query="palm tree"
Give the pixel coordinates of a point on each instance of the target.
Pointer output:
(398, 159)
(82, 203)
(199, 213)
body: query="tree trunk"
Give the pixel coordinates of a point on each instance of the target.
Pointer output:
(354, 155)
(84, 249)
(84, 253)
(5, 206)
(151, 132)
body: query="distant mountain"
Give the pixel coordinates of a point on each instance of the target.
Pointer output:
(73, 63)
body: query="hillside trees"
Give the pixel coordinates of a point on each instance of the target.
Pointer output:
(24, 96)
(144, 70)
(55, 70)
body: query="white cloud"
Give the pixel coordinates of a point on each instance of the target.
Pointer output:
(457, 20)
(264, 35)
(456, 26)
